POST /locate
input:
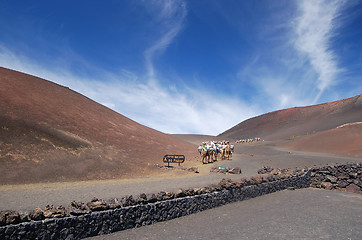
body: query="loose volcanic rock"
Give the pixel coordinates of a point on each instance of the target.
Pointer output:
(97, 205)
(55, 212)
(114, 203)
(327, 185)
(266, 169)
(236, 170)
(170, 195)
(338, 177)
(180, 193)
(353, 188)
(9, 217)
(161, 196)
(151, 198)
(332, 179)
(229, 170)
(78, 208)
(37, 214)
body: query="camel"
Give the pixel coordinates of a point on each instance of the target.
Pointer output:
(225, 153)
(209, 155)
(213, 154)
(205, 154)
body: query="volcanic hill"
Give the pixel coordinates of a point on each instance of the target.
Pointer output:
(343, 140)
(298, 121)
(51, 133)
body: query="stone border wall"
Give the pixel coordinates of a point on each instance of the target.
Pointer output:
(108, 221)
(346, 178)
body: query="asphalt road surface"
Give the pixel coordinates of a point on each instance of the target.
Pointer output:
(300, 214)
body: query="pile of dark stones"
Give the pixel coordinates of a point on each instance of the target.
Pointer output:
(347, 178)
(225, 170)
(282, 173)
(265, 169)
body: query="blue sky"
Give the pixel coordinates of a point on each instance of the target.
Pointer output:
(189, 66)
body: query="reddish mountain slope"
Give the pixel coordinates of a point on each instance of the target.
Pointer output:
(51, 133)
(344, 140)
(298, 121)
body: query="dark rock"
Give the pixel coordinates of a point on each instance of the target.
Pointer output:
(37, 214)
(243, 182)
(358, 182)
(353, 188)
(78, 208)
(2, 218)
(24, 217)
(161, 196)
(275, 172)
(331, 179)
(227, 183)
(189, 192)
(327, 185)
(55, 212)
(70, 237)
(124, 202)
(113, 203)
(13, 217)
(97, 205)
(236, 170)
(9, 217)
(256, 180)
(151, 198)
(343, 176)
(170, 195)
(180, 193)
(214, 187)
(141, 199)
(128, 201)
(342, 184)
(290, 188)
(265, 170)
(269, 178)
(143, 196)
(276, 177)
(353, 174)
(198, 191)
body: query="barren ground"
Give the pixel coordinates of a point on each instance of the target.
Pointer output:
(249, 157)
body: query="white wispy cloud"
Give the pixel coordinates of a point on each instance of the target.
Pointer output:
(314, 28)
(302, 64)
(169, 17)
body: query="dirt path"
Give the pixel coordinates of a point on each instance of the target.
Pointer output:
(249, 157)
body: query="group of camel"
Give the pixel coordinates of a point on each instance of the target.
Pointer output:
(248, 140)
(209, 152)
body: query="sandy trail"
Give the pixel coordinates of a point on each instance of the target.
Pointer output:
(249, 157)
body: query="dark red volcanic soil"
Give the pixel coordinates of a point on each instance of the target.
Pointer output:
(298, 121)
(51, 133)
(344, 140)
